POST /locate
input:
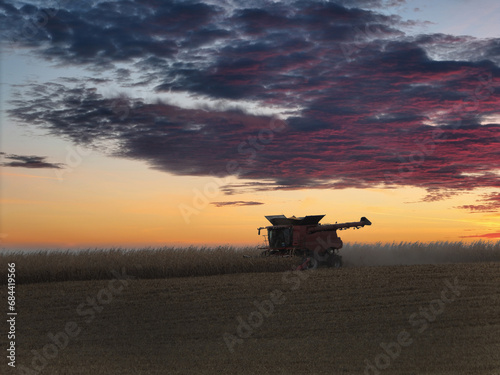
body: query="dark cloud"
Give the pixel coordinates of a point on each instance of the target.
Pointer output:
(236, 203)
(371, 3)
(203, 142)
(23, 161)
(367, 105)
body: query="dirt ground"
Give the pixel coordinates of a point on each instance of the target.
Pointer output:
(422, 319)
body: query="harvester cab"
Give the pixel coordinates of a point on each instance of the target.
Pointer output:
(316, 243)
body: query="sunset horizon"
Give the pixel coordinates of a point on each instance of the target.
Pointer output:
(149, 124)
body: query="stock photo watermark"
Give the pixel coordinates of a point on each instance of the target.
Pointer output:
(36, 23)
(420, 321)
(75, 155)
(11, 314)
(74, 158)
(426, 148)
(249, 148)
(264, 309)
(362, 38)
(88, 310)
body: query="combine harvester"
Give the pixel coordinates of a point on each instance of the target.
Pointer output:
(317, 244)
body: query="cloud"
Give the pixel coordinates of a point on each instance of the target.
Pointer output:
(36, 162)
(275, 154)
(363, 103)
(486, 235)
(488, 203)
(236, 203)
(437, 194)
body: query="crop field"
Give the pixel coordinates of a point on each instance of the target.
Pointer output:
(43, 266)
(418, 318)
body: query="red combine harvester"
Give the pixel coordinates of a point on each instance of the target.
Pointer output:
(317, 244)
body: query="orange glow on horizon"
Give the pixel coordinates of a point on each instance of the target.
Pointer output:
(98, 208)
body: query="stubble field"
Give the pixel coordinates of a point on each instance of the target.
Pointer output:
(404, 319)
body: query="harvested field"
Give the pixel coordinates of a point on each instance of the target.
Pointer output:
(431, 319)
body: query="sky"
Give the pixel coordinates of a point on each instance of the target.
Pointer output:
(156, 123)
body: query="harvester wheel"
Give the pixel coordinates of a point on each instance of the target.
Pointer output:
(311, 263)
(335, 261)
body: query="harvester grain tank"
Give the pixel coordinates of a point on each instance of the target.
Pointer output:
(317, 244)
